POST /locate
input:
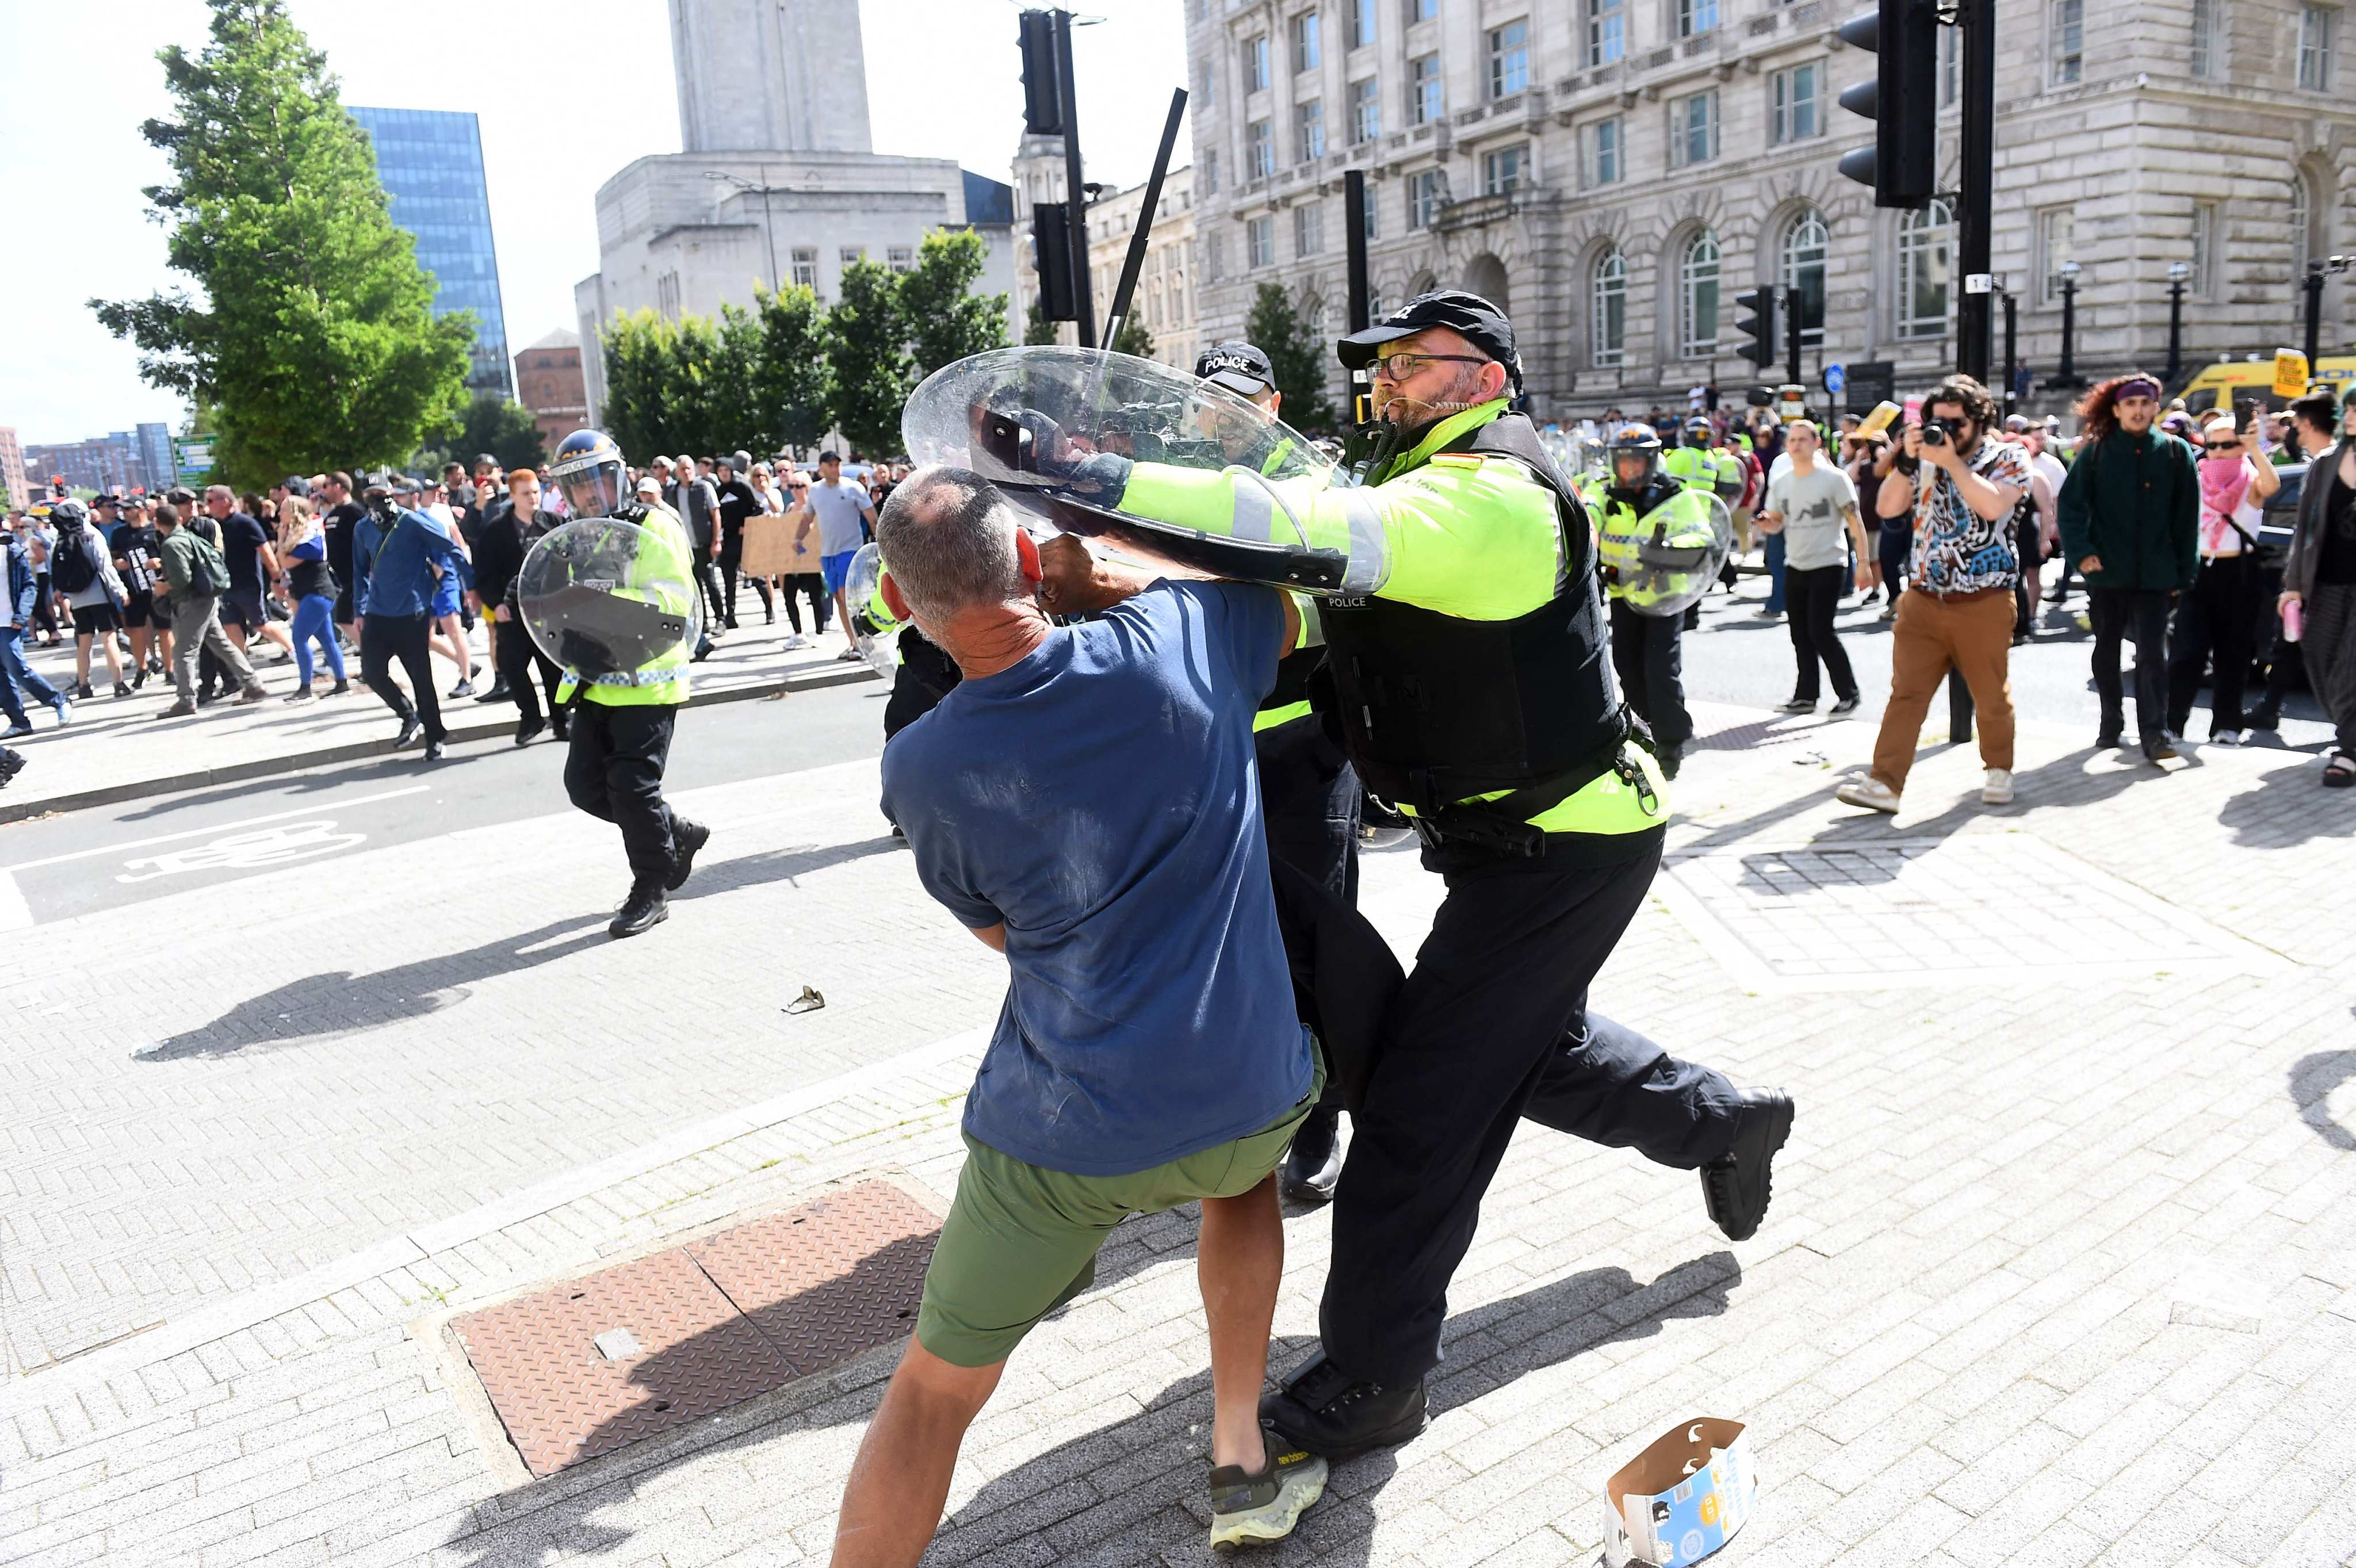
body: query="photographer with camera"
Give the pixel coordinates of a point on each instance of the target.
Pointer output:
(1961, 492)
(2131, 524)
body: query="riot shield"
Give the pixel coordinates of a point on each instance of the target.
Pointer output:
(603, 597)
(1679, 560)
(874, 630)
(1058, 429)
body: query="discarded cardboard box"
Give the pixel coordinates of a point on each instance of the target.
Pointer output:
(1681, 1498)
(770, 550)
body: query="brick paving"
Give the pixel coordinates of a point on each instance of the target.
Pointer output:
(122, 750)
(2059, 1270)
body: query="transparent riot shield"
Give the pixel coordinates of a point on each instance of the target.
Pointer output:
(874, 630)
(1680, 550)
(609, 600)
(1058, 430)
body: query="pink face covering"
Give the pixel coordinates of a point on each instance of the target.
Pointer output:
(2223, 482)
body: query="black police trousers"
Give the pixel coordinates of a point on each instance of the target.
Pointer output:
(615, 770)
(1491, 1028)
(384, 638)
(1648, 655)
(1309, 804)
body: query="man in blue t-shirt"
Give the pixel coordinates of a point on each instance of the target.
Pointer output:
(1086, 802)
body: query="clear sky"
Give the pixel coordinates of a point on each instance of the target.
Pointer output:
(568, 92)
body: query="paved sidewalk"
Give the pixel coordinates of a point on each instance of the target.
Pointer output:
(2059, 1270)
(122, 750)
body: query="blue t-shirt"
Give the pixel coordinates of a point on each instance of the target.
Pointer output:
(1102, 799)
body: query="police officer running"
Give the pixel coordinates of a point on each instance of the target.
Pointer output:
(1309, 792)
(622, 718)
(1467, 653)
(1651, 524)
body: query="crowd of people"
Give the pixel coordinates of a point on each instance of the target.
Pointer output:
(185, 589)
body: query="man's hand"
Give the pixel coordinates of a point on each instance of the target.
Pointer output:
(2090, 564)
(1862, 578)
(1911, 443)
(1073, 582)
(2288, 598)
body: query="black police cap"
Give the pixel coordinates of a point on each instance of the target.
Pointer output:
(1474, 318)
(1238, 366)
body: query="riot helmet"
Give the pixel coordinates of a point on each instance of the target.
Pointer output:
(1699, 433)
(1635, 443)
(589, 471)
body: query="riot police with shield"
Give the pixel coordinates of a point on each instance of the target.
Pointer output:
(1662, 543)
(1465, 640)
(612, 597)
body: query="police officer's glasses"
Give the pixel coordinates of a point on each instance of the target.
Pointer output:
(1398, 366)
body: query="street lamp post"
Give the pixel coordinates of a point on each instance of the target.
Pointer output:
(2313, 285)
(769, 221)
(2068, 376)
(2177, 273)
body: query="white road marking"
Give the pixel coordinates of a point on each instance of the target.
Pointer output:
(16, 915)
(244, 852)
(311, 810)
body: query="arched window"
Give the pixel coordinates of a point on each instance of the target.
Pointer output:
(1424, 284)
(1610, 296)
(1375, 309)
(1804, 272)
(1698, 297)
(2302, 226)
(1312, 315)
(1926, 261)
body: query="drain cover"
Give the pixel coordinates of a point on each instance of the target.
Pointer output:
(636, 1349)
(563, 1402)
(1930, 911)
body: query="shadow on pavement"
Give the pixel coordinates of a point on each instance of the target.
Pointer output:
(2289, 806)
(337, 1001)
(400, 767)
(1126, 1491)
(2312, 1080)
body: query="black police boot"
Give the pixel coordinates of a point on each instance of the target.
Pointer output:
(644, 907)
(1735, 1187)
(1321, 1408)
(1314, 1164)
(411, 728)
(686, 838)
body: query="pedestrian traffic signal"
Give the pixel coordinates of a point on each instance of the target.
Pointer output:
(1757, 325)
(1051, 243)
(1902, 102)
(1042, 99)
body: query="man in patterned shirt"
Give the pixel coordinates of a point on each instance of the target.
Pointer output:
(1962, 487)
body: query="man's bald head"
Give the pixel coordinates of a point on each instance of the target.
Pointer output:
(949, 539)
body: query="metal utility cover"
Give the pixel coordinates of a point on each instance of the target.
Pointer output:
(1910, 912)
(561, 1402)
(838, 1277)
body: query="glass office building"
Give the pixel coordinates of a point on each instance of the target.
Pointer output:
(431, 162)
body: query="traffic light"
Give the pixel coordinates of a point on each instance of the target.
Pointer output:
(1902, 102)
(1051, 243)
(1757, 325)
(1042, 99)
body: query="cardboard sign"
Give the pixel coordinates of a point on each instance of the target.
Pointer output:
(2290, 373)
(769, 549)
(1681, 1498)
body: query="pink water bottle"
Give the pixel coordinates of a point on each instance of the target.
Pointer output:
(2294, 619)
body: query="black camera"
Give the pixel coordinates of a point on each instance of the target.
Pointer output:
(1938, 432)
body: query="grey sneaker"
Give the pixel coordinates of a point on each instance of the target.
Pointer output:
(1248, 1508)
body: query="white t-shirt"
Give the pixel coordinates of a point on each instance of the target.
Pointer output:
(1813, 505)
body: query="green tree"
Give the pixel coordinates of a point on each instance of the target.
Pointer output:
(946, 320)
(1036, 327)
(1134, 339)
(732, 387)
(794, 381)
(312, 328)
(690, 364)
(1296, 357)
(867, 350)
(498, 425)
(635, 353)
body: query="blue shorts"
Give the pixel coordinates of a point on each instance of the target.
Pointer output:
(837, 569)
(446, 593)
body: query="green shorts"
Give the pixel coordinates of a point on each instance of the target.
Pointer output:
(1021, 1240)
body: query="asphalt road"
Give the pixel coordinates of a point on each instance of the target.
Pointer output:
(113, 856)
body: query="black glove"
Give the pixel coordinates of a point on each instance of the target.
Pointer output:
(1027, 447)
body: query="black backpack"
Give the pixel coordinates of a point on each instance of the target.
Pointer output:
(69, 565)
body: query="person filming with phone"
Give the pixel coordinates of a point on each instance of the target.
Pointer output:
(1961, 488)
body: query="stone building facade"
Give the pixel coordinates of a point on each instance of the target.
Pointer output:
(1165, 301)
(1613, 172)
